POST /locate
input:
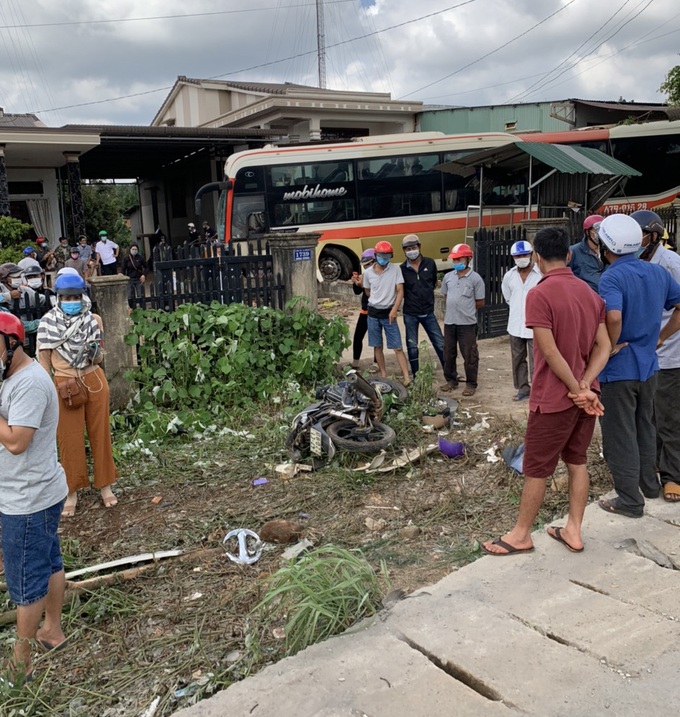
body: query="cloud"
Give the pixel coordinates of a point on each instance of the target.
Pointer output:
(63, 65)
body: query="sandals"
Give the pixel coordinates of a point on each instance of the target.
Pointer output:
(520, 397)
(613, 506)
(468, 391)
(671, 492)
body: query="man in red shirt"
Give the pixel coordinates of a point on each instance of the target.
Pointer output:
(571, 346)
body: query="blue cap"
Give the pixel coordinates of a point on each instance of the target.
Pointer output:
(28, 250)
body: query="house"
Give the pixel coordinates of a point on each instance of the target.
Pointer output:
(298, 112)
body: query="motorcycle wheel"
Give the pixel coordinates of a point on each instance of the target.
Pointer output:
(347, 436)
(386, 386)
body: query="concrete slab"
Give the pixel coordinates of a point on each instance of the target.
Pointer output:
(369, 674)
(549, 633)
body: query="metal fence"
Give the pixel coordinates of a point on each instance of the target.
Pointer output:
(30, 308)
(492, 260)
(196, 273)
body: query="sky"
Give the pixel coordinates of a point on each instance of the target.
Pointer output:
(100, 61)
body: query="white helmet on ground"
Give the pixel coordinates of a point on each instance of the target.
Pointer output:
(620, 233)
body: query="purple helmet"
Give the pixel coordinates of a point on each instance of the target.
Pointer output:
(367, 255)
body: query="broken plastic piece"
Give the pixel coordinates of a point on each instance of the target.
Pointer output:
(260, 481)
(249, 546)
(451, 449)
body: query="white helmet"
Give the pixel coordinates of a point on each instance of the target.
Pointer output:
(620, 234)
(68, 271)
(521, 247)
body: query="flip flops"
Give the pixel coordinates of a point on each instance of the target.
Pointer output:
(469, 391)
(49, 647)
(511, 549)
(556, 534)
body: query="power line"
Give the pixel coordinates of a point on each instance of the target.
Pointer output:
(488, 54)
(547, 83)
(519, 95)
(265, 64)
(158, 17)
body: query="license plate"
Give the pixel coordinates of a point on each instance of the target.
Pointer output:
(315, 442)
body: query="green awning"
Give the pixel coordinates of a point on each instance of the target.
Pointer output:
(565, 158)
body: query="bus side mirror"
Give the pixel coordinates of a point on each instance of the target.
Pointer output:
(207, 188)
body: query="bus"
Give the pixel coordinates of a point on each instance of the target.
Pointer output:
(653, 148)
(355, 194)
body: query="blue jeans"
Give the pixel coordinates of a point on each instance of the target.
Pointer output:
(434, 333)
(32, 554)
(375, 332)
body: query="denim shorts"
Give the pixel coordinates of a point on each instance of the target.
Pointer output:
(31, 551)
(392, 333)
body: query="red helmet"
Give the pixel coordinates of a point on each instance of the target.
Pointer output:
(591, 221)
(383, 247)
(460, 250)
(10, 325)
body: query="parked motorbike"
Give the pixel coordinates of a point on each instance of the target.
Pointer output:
(346, 417)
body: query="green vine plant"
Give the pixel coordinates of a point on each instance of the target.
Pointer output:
(201, 364)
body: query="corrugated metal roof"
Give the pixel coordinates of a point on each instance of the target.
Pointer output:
(570, 159)
(567, 159)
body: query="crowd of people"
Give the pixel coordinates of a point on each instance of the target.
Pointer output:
(47, 408)
(593, 330)
(594, 333)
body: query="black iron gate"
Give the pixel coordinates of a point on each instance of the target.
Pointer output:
(194, 273)
(492, 260)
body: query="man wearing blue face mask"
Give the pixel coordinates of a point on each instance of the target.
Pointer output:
(384, 286)
(420, 279)
(464, 291)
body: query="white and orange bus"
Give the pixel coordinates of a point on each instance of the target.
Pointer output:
(653, 148)
(358, 193)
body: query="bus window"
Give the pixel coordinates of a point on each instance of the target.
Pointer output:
(221, 217)
(245, 206)
(321, 173)
(399, 186)
(291, 213)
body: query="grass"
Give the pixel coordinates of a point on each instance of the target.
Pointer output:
(320, 595)
(154, 638)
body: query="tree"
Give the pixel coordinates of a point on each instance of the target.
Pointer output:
(12, 231)
(104, 205)
(671, 86)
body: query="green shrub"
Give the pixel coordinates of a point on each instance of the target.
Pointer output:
(10, 255)
(202, 361)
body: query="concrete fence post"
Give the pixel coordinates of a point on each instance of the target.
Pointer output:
(294, 258)
(109, 293)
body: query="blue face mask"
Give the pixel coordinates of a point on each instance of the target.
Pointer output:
(382, 261)
(71, 308)
(639, 252)
(460, 267)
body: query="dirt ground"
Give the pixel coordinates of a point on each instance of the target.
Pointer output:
(182, 629)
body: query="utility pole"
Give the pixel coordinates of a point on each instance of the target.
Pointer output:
(321, 44)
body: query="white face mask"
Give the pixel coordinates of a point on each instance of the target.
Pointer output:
(34, 283)
(412, 254)
(523, 262)
(16, 283)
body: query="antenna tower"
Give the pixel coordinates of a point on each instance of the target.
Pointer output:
(321, 44)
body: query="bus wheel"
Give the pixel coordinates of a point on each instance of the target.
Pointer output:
(335, 265)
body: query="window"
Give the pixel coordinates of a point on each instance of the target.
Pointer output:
(399, 186)
(247, 216)
(311, 193)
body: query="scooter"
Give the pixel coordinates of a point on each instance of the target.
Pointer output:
(347, 417)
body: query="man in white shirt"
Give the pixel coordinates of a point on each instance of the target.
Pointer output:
(107, 251)
(516, 284)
